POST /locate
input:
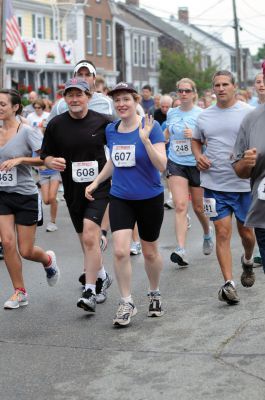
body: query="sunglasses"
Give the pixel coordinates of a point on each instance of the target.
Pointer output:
(185, 90)
(37, 108)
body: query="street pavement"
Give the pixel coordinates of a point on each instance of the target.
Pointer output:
(201, 349)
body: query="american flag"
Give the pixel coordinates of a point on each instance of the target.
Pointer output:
(13, 37)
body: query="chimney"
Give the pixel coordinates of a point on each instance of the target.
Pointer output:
(183, 14)
(133, 3)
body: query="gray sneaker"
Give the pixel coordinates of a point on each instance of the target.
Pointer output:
(124, 313)
(179, 257)
(228, 294)
(207, 246)
(135, 249)
(248, 275)
(155, 305)
(87, 301)
(101, 288)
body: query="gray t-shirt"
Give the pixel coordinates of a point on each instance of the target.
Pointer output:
(22, 144)
(218, 128)
(251, 134)
(98, 102)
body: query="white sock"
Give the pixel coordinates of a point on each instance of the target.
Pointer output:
(248, 262)
(102, 273)
(153, 290)
(90, 286)
(127, 299)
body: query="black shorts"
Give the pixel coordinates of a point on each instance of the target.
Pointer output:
(148, 214)
(192, 174)
(23, 207)
(93, 210)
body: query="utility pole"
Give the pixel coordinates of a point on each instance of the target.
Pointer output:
(238, 55)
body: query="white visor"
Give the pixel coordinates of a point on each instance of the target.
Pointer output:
(87, 65)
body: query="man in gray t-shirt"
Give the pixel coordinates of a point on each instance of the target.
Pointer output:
(224, 192)
(249, 153)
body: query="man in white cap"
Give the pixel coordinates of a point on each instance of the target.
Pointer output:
(99, 102)
(74, 145)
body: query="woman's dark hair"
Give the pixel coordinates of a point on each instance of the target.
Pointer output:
(15, 98)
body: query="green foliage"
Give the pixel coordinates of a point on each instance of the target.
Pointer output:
(24, 101)
(261, 53)
(175, 66)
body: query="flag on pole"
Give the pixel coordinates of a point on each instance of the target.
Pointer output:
(13, 37)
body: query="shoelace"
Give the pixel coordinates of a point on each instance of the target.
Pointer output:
(15, 295)
(124, 308)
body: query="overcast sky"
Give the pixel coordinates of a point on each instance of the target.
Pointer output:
(217, 16)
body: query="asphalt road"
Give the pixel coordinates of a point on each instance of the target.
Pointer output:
(201, 349)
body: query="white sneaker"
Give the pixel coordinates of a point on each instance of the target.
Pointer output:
(53, 272)
(17, 300)
(51, 227)
(136, 248)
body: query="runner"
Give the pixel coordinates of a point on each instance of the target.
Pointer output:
(224, 192)
(49, 179)
(102, 104)
(250, 163)
(184, 177)
(74, 145)
(137, 155)
(19, 198)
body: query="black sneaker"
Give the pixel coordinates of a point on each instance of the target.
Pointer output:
(248, 275)
(155, 305)
(101, 288)
(1, 252)
(82, 279)
(87, 301)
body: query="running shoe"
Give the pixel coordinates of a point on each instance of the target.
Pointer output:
(188, 221)
(155, 305)
(51, 227)
(52, 272)
(103, 243)
(135, 249)
(18, 299)
(1, 252)
(248, 275)
(124, 313)
(228, 294)
(101, 288)
(169, 204)
(258, 259)
(207, 246)
(179, 257)
(87, 301)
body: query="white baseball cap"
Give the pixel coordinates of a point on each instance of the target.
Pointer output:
(85, 64)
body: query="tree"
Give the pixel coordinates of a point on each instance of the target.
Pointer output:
(261, 53)
(175, 66)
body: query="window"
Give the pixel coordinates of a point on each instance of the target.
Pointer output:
(135, 50)
(51, 29)
(38, 26)
(233, 63)
(19, 21)
(89, 35)
(152, 53)
(143, 51)
(99, 37)
(108, 39)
